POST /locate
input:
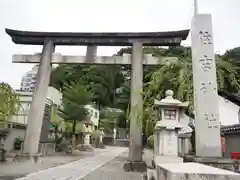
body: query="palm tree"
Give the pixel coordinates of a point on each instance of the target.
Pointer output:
(110, 118)
(65, 74)
(104, 81)
(75, 97)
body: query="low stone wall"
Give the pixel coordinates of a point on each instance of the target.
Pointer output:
(47, 149)
(122, 142)
(193, 171)
(108, 140)
(223, 163)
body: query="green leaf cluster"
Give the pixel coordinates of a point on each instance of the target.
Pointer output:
(9, 102)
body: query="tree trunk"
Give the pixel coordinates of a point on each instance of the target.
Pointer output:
(74, 135)
(55, 134)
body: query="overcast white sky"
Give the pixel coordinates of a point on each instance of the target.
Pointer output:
(107, 16)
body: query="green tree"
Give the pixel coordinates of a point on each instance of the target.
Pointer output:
(233, 55)
(75, 97)
(110, 118)
(9, 102)
(102, 79)
(57, 124)
(177, 76)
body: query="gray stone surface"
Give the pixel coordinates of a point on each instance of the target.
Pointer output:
(36, 112)
(114, 169)
(223, 163)
(101, 166)
(193, 171)
(11, 170)
(205, 88)
(77, 169)
(136, 103)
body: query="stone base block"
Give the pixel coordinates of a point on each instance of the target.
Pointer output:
(218, 162)
(151, 174)
(122, 142)
(193, 171)
(135, 166)
(22, 157)
(167, 159)
(101, 145)
(84, 147)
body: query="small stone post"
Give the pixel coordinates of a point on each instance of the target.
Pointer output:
(101, 145)
(101, 137)
(184, 135)
(114, 135)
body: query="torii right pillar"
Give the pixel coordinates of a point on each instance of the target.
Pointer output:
(207, 124)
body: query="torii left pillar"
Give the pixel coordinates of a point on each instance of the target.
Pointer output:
(36, 112)
(135, 162)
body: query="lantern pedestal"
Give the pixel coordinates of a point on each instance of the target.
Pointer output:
(166, 146)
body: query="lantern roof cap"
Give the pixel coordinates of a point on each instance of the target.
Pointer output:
(170, 101)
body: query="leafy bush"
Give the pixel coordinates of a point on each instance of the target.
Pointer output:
(18, 142)
(150, 142)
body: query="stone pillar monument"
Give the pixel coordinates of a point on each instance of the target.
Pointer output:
(166, 129)
(207, 125)
(36, 111)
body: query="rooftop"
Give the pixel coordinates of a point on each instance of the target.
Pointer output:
(168, 38)
(234, 97)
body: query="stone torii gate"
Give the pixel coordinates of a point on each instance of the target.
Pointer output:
(51, 39)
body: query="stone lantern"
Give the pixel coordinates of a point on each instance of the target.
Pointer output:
(166, 129)
(86, 146)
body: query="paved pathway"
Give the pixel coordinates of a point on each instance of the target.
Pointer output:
(78, 169)
(10, 170)
(114, 170)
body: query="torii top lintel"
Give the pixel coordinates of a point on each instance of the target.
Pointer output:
(169, 38)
